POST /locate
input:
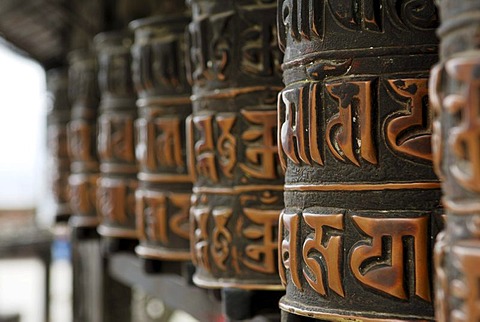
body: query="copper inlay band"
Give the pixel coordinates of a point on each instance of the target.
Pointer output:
(237, 189)
(233, 92)
(164, 178)
(146, 102)
(117, 232)
(363, 186)
(222, 283)
(155, 253)
(339, 317)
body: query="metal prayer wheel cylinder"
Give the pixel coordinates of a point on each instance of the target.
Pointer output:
(165, 185)
(116, 141)
(238, 183)
(82, 138)
(58, 115)
(455, 96)
(361, 198)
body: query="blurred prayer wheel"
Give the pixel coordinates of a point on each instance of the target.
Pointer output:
(238, 184)
(455, 96)
(361, 198)
(165, 186)
(58, 159)
(82, 138)
(116, 141)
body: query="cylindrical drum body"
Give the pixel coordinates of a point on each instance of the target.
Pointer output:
(238, 187)
(165, 185)
(455, 96)
(361, 198)
(58, 115)
(116, 140)
(82, 138)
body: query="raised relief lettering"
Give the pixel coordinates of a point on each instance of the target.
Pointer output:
(165, 64)
(359, 15)
(209, 48)
(155, 216)
(169, 142)
(409, 131)
(205, 148)
(222, 237)
(111, 201)
(295, 135)
(227, 144)
(322, 252)
(199, 242)
(289, 225)
(79, 140)
(115, 73)
(179, 221)
(83, 191)
(261, 150)
(260, 257)
(115, 139)
(349, 133)
(302, 18)
(466, 289)
(383, 261)
(464, 139)
(260, 51)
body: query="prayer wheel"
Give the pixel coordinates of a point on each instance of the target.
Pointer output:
(58, 115)
(165, 185)
(455, 96)
(82, 139)
(234, 67)
(361, 197)
(116, 140)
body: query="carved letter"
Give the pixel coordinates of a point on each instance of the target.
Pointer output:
(289, 249)
(205, 148)
(169, 142)
(199, 225)
(261, 257)
(222, 237)
(227, 144)
(179, 222)
(350, 130)
(263, 153)
(382, 268)
(316, 255)
(410, 132)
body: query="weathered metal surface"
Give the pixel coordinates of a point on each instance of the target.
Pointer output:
(82, 138)
(238, 184)
(116, 142)
(165, 186)
(455, 95)
(58, 159)
(361, 198)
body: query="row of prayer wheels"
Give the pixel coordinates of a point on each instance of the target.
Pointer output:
(182, 135)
